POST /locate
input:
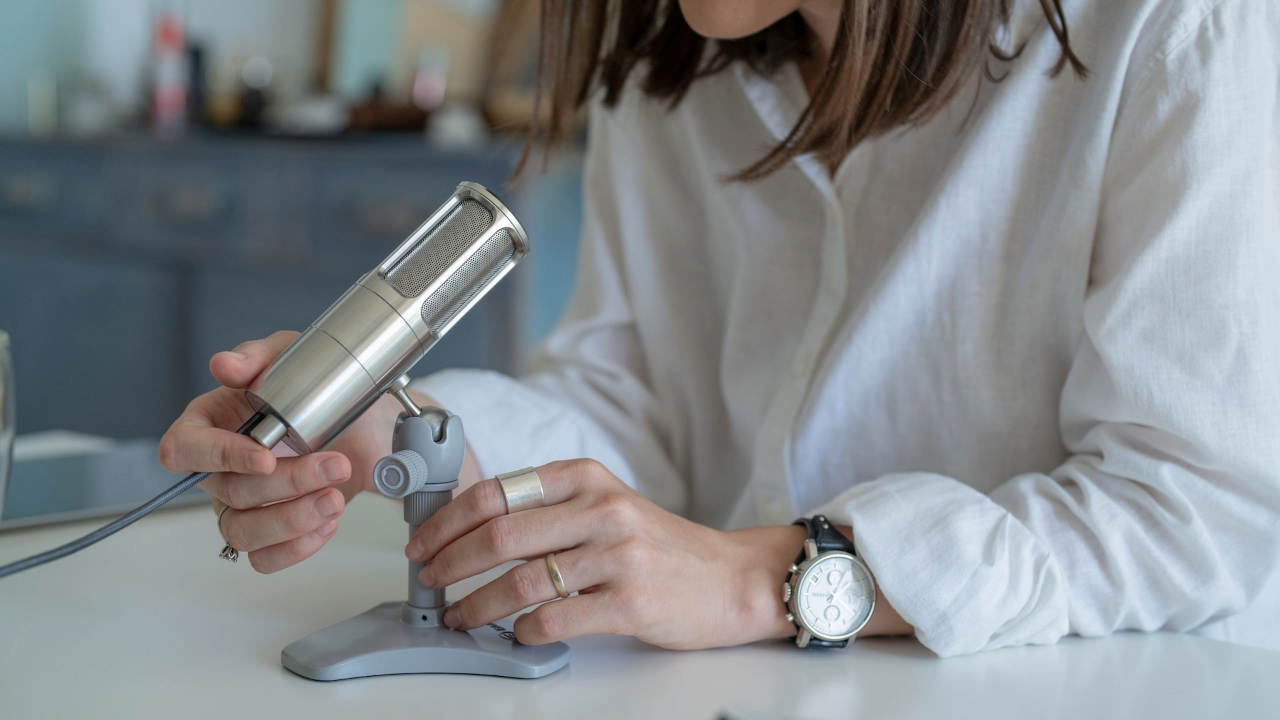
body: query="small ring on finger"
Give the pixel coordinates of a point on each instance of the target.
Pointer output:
(556, 578)
(522, 490)
(228, 552)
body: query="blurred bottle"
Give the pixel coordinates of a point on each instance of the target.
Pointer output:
(42, 104)
(6, 416)
(255, 79)
(169, 88)
(197, 86)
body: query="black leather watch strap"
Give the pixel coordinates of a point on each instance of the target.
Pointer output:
(828, 539)
(825, 535)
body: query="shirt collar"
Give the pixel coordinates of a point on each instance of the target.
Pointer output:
(779, 99)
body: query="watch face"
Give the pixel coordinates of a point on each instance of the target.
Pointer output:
(834, 596)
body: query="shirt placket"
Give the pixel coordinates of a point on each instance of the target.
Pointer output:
(775, 503)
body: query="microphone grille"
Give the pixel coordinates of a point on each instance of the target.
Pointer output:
(437, 251)
(472, 279)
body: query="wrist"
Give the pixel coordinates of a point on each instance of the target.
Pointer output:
(763, 555)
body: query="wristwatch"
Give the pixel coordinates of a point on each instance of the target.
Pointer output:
(829, 592)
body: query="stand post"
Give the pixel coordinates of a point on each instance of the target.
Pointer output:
(410, 637)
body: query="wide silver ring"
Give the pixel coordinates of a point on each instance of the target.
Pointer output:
(228, 552)
(522, 489)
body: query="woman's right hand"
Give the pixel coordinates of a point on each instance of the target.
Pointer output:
(282, 509)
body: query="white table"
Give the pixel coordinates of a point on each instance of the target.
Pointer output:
(151, 624)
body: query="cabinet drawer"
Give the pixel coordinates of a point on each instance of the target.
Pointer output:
(48, 192)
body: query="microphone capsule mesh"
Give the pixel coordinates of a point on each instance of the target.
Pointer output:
(436, 252)
(472, 278)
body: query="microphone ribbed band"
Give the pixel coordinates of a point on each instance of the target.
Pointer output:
(421, 505)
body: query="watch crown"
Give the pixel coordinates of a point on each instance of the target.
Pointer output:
(794, 568)
(786, 591)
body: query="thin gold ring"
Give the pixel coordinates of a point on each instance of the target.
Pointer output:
(227, 552)
(556, 578)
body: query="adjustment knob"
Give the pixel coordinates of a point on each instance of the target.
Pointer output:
(401, 474)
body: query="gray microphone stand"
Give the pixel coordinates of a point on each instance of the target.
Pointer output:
(410, 637)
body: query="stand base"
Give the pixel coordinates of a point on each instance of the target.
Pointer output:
(378, 643)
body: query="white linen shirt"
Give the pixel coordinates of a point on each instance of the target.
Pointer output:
(1030, 351)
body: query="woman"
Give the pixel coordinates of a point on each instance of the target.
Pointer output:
(997, 299)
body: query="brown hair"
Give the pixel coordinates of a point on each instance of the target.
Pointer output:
(894, 63)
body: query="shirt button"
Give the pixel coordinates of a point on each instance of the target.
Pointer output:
(802, 363)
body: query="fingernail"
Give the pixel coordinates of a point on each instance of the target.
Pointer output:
(451, 617)
(331, 470)
(427, 577)
(327, 504)
(413, 550)
(234, 354)
(326, 531)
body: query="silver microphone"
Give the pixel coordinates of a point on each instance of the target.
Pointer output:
(386, 322)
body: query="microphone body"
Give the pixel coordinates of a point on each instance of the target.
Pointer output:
(386, 322)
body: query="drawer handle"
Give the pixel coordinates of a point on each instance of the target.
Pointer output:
(34, 194)
(190, 204)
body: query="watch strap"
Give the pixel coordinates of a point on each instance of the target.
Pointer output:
(825, 536)
(815, 642)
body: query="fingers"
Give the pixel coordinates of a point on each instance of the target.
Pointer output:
(506, 538)
(287, 554)
(292, 477)
(237, 368)
(520, 587)
(252, 530)
(485, 501)
(563, 619)
(190, 445)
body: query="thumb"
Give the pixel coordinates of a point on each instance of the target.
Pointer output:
(238, 368)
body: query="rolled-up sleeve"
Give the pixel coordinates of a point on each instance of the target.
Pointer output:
(1167, 513)
(587, 393)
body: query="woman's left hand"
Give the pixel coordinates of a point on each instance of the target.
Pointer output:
(638, 569)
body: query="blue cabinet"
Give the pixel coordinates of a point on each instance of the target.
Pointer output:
(125, 265)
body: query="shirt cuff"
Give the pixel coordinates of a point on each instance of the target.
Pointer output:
(959, 568)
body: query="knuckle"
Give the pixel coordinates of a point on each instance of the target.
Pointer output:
(525, 588)
(631, 553)
(634, 606)
(442, 566)
(489, 498)
(616, 510)
(590, 469)
(500, 536)
(298, 480)
(544, 624)
(235, 534)
(235, 494)
(298, 552)
(298, 523)
(223, 456)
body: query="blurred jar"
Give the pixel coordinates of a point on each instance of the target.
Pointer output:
(6, 415)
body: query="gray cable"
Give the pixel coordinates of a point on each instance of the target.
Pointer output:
(119, 524)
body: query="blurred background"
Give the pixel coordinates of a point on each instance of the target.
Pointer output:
(179, 176)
